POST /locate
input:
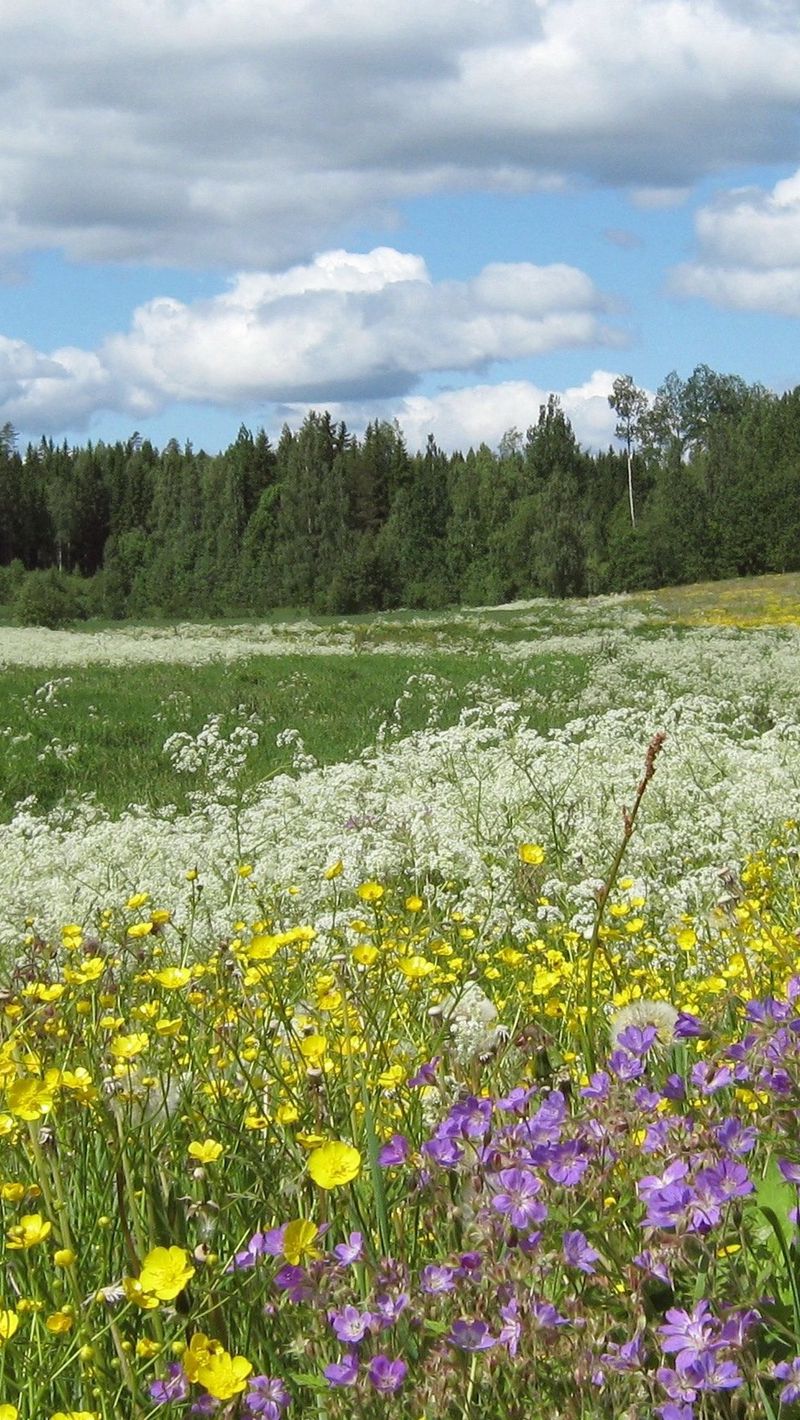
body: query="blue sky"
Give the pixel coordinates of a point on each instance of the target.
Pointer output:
(226, 211)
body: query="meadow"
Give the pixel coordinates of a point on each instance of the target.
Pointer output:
(398, 1013)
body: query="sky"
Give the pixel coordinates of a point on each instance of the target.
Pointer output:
(216, 212)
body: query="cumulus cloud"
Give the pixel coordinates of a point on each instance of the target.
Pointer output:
(482, 414)
(234, 134)
(346, 326)
(749, 251)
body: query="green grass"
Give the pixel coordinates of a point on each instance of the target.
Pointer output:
(120, 716)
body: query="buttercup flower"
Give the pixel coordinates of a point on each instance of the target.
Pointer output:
(334, 1164)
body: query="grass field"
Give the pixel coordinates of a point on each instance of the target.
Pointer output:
(398, 1014)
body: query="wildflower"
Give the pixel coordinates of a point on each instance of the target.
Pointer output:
(395, 1152)
(206, 1153)
(334, 1164)
(165, 1272)
(471, 1336)
(351, 1251)
(342, 1372)
(386, 1376)
(437, 1278)
(350, 1325)
(659, 1014)
(207, 1363)
(789, 1373)
(530, 853)
(371, 892)
(578, 1252)
(31, 1229)
(9, 1412)
(174, 1388)
(689, 1335)
(125, 1047)
(267, 1397)
(60, 1322)
(298, 1241)
(29, 1098)
(172, 978)
(9, 1322)
(516, 1196)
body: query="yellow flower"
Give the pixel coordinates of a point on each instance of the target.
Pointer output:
(206, 1153)
(165, 1272)
(125, 1047)
(334, 871)
(12, 1192)
(140, 929)
(138, 900)
(135, 1293)
(29, 1097)
(207, 1363)
(173, 977)
(371, 892)
(64, 1257)
(298, 1241)
(531, 853)
(59, 1323)
(414, 903)
(416, 967)
(31, 1229)
(75, 1415)
(9, 1412)
(334, 1164)
(9, 1321)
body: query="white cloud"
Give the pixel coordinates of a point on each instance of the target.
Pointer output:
(347, 326)
(482, 414)
(238, 134)
(749, 251)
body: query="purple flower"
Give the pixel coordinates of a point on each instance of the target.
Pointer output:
(471, 1336)
(689, 1335)
(674, 1088)
(511, 1329)
(790, 1171)
(516, 1196)
(638, 1039)
(351, 1251)
(544, 1314)
(426, 1074)
(386, 1375)
(342, 1372)
(709, 1372)
(737, 1138)
(653, 1266)
(688, 1026)
(443, 1151)
(625, 1065)
(294, 1281)
(388, 1309)
(395, 1152)
(350, 1325)
(266, 1396)
(174, 1388)
(569, 1163)
(788, 1371)
(625, 1356)
(437, 1278)
(269, 1244)
(578, 1252)
(598, 1086)
(671, 1411)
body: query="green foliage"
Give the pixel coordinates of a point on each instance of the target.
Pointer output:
(48, 598)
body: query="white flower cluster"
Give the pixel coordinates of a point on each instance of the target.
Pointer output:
(216, 758)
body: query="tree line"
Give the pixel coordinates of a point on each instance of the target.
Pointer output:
(706, 484)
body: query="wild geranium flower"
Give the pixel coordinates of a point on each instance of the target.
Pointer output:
(516, 1196)
(789, 1373)
(578, 1252)
(661, 1015)
(266, 1396)
(385, 1375)
(334, 1164)
(689, 1335)
(437, 1278)
(165, 1272)
(350, 1325)
(395, 1152)
(342, 1372)
(471, 1336)
(351, 1251)
(174, 1388)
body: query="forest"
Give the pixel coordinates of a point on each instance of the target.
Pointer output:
(705, 483)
